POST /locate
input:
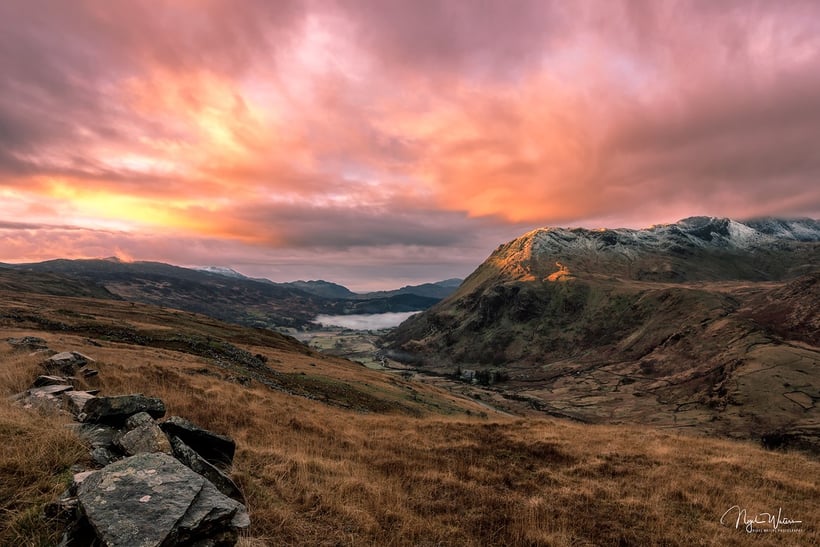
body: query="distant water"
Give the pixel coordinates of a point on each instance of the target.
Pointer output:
(372, 321)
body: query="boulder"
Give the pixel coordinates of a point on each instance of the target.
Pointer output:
(66, 362)
(215, 448)
(153, 500)
(116, 410)
(197, 463)
(75, 401)
(143, 436)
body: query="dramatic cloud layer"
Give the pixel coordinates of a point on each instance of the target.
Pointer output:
(382, 142)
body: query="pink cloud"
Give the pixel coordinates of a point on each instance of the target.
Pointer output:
(304, 129)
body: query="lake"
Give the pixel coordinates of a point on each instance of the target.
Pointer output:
(372, 321)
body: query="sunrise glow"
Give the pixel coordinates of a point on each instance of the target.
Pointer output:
(288, 133)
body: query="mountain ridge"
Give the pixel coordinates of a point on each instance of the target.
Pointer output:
(228, 296)
(636, 325)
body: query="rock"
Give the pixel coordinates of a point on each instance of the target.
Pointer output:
(77, 480)
(28, 342)
(197, 463)
(75, 401)
(116, 410)
(103, 456)
(86, 372)
(215, 448)
(50, 390)
(50, 381)
(66, 362)
(152, 500)
(98, 435)
(138, 419)
(144, 436)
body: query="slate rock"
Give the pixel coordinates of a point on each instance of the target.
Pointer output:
(116, 410)
(102, 456)
(47, 380)
(143, 436)
(98, 435)
(215, 448)
(198, 464)
(75, 401)
(77, 480)
(153, 500)
(66, 362)
(50, 391)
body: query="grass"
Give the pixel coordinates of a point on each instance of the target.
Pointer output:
(315, 473)
(36, 454)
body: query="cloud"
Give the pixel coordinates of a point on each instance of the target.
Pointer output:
(394, 129)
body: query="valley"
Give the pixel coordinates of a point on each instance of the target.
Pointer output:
(330, 452)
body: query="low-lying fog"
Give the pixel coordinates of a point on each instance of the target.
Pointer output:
(373, 321)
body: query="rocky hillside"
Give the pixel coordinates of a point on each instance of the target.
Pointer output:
(670, 325)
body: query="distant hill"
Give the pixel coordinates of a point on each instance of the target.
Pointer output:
(327, 289)
(218, 292)
(438, 290)
(669, 325)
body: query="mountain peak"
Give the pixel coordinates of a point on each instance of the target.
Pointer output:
(694, 248)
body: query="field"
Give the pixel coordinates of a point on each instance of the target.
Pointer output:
(333, 453)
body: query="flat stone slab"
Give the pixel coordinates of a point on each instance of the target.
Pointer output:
(152, 500)
(47, 380)
(116, 410)
(50, 391)
(215, 448)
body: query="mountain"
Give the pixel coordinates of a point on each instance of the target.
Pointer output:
(14, 280)
(325, 289)
(222, 270)
(672, 325)
(220, 292)
(228, 298)
(437, 290)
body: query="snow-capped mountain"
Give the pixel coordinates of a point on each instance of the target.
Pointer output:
(695, 248)
(669, 325)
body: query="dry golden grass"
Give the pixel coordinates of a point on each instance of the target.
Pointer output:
(316, 474)
(36, 453)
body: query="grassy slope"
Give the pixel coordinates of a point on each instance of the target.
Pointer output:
(371, 459)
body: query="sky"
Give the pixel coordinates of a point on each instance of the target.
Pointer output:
(378, 143)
